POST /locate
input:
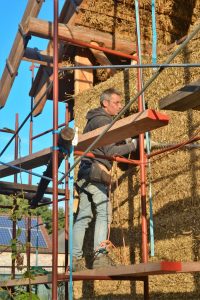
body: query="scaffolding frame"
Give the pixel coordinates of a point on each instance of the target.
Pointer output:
(165, 268)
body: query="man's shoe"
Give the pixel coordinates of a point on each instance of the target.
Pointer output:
(78, 264)
(103, 261)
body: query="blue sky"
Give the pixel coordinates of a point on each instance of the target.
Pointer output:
(11, 13)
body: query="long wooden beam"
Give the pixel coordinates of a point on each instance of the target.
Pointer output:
(28, 162)
(10, 71)
(122, 129)
(44, 29)
(131, 272)
(17, 187)
(185, 98)
(139, 270)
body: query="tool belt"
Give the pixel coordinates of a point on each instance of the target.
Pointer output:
(99, 173)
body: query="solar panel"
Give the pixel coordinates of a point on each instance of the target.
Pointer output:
(41, 241)
(5, 236)
(5, 221)
(34, 223)
(22, 237)
(21, 224)
(6, 228)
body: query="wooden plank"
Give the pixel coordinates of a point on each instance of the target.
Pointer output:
(122, 129)
(185, 98)
(25, 281)
(32, 9)
(44, 29)
(27, 162)
(130, 272)
(138, 270)
(17, 187)
(83, 79)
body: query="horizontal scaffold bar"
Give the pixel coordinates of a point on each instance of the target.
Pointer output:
(143, 66)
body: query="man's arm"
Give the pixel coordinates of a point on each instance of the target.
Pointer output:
(113, 149)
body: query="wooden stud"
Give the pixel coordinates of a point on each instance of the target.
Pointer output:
(83, 79)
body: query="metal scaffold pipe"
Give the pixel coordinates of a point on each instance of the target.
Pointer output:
(55, 155)
(137, 66)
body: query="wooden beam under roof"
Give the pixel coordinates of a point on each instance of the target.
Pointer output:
(188, 97)
(122, 129)
(10, 71)
(44, 29)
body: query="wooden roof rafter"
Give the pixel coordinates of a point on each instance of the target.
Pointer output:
(10, 71)
(67, 16)
(17, 51)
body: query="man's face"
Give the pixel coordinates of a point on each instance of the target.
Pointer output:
(114, 105)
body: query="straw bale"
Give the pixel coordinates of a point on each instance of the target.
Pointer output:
(175, 187)
(173, 18)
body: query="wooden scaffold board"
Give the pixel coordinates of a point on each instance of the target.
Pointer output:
(130, 272)
(188, 97)
(127, 127)
(17, 187)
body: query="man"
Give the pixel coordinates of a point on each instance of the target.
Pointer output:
(93, 182)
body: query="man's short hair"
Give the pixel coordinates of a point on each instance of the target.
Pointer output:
(106, 95)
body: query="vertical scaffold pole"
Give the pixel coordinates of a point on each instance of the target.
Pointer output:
(142, 157)
(55, 154)
(66, 211)
(14, 200)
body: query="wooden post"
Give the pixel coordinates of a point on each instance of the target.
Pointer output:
(83, 79)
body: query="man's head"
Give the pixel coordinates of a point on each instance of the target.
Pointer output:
(110, 100)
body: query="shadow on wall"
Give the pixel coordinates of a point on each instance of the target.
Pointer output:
(183, 17)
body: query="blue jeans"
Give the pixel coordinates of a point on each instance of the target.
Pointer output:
(98, 194)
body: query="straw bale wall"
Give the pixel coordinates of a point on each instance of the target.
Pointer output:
(118, 17)
(175, 186)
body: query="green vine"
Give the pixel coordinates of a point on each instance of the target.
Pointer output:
(20, 210)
